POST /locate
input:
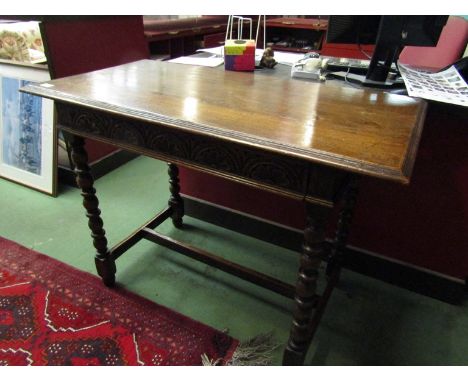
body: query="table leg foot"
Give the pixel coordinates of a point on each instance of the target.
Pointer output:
(305, 297)
(106, 269)
(175, 201)
(293, 358)
(105, 265)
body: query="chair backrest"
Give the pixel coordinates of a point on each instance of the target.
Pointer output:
(451, 45)
(80, 44)
(76, 45)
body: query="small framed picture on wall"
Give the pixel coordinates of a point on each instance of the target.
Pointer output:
(27, 134)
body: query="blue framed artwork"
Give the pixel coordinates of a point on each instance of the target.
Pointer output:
(27, 141)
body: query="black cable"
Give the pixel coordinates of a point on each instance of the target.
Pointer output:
(358, 38)
(349, 82)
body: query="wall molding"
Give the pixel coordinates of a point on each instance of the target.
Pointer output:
(99, 167)
(398, 273)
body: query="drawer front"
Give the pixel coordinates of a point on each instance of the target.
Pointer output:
(261, 168)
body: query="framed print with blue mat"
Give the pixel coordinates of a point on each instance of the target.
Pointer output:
(27, 137)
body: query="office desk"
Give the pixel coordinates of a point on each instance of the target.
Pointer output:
(305, 140)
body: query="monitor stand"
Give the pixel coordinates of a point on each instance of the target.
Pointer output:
(361, 80)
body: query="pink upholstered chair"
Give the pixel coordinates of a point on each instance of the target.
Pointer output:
(451, 45)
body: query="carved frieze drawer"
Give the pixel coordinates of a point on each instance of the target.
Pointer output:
(166, 143)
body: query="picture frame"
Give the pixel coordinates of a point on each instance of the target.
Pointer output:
(28, 142)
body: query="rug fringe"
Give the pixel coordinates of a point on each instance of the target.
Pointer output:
(256, 351)
(209, 362)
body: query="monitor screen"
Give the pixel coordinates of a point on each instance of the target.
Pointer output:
(353, 29)
(411, 30)
(389, 34)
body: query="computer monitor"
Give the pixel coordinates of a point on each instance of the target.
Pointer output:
(389, 34)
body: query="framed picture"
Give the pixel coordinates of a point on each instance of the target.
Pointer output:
(27, 138)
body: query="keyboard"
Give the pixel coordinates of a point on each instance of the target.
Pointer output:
(336, 64)
(357, 66)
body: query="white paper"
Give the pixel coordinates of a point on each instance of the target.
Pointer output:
(202, 61)
(286, 58)
(446, 86)
(218, 50)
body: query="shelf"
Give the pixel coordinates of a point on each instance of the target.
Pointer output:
(296, 34)
(293, 50)
(298, 23)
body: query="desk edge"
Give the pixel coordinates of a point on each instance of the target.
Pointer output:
(401, 175)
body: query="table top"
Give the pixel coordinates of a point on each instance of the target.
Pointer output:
(359, 130)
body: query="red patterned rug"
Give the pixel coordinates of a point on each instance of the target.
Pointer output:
(53, 314)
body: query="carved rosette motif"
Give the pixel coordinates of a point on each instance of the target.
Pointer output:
(121, 132)
(266, 171)
(216, 154)
(167, 143)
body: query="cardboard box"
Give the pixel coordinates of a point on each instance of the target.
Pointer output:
(239, 55)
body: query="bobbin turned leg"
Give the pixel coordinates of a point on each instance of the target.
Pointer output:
(305, 297)
(105, 265)
(344, 223)
(175, 201)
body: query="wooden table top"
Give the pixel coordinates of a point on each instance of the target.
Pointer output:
(360, 130)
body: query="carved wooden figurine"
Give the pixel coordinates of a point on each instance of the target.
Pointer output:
(268, 60)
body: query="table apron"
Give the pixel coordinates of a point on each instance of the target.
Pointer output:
(289, 176)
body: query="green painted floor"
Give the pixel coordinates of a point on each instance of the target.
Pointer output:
(367, 322)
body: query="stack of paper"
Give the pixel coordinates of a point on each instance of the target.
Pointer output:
(446, 86)
(203, 61)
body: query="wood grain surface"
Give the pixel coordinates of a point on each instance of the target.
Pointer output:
(359, 130)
